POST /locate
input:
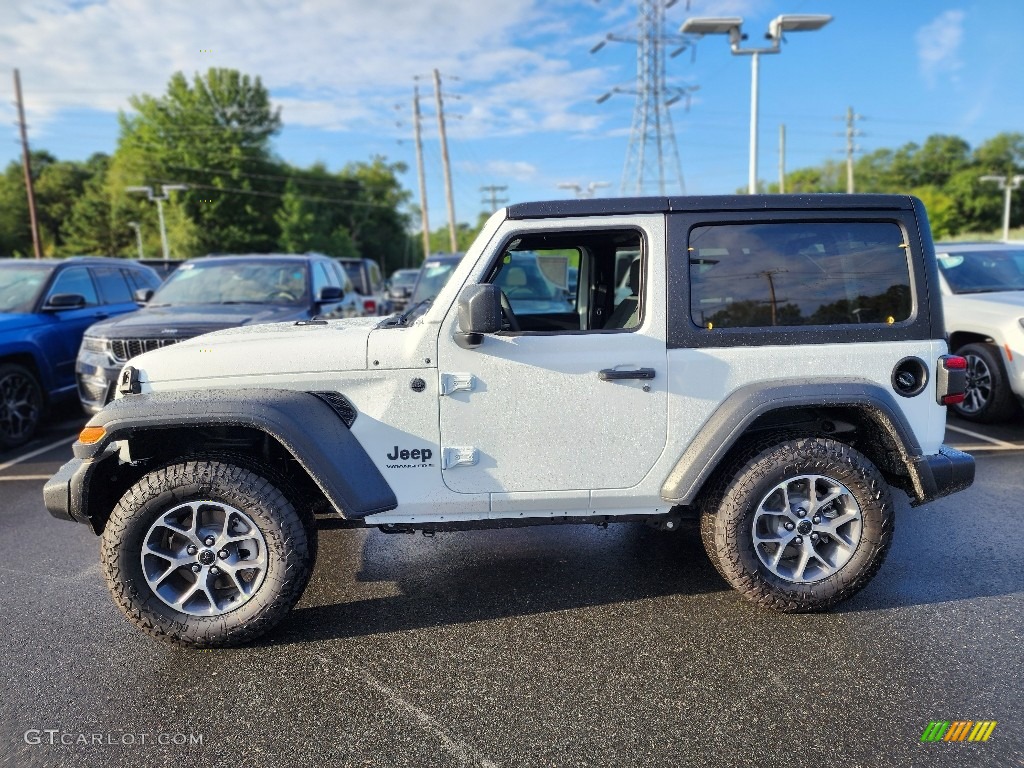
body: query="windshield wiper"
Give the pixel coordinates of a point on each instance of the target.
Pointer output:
(403, 319)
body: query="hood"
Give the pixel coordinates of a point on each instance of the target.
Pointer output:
(15, 322)
(186, 321)
(999, 301)
(277, 349)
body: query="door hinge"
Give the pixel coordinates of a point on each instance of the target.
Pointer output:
(456, 382)
(458, 457)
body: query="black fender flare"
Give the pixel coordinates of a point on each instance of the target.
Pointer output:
(740, 409)
(306, 424)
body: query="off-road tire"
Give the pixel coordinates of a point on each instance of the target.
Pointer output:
(997, 401)
(290, 546)
(729, 504)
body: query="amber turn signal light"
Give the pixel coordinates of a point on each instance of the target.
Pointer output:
(91, 435)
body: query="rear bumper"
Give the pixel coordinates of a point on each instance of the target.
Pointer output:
(943, 473)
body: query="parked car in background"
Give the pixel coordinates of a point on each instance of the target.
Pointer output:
(45, 307)
(369, 284)
(400, 287)
(982, 288)
(209, 294)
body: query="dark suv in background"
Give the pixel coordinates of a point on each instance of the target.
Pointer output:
(45, 307)
(369, 283)
(209, 294)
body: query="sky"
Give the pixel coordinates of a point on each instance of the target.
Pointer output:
(521, 83)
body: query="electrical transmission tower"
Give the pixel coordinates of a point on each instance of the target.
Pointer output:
(652, 159)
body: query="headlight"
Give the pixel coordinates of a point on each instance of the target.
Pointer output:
(93, 344)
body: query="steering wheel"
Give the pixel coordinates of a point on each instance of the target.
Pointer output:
(282, 294)
(510, 316)
(519, 289)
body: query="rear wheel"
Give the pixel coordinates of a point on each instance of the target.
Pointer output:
(205, 553)
(988, 397)
(21, 405)
(799, 525)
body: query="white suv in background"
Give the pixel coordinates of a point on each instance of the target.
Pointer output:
(983, 302)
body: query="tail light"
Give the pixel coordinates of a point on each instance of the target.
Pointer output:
(951, 380)
(370, 306)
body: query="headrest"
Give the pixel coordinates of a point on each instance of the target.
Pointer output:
(634, 277)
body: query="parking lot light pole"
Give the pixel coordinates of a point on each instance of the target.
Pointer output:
(165, 189)
(730, 25)
(138, 236)
(1008, 184)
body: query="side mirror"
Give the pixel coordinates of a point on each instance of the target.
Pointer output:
(143, 295)
(330, 293)
(65, 301)
(479, 313)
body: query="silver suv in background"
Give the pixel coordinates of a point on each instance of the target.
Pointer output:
(368, 280)
(982, 288)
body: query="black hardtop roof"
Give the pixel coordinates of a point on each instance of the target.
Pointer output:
(608, 206)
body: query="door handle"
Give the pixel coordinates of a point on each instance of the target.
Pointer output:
(101, 315)
(611, 374)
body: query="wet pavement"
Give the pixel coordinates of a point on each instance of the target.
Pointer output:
(551, 646)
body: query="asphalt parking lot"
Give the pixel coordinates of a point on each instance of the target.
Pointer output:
(559, 646)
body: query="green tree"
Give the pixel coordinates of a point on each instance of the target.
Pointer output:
(214, 135)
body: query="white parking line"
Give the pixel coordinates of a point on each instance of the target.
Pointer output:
(24, 477)
(963, 431)
(37, 451)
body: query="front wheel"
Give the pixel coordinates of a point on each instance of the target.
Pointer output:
(21, 405)
(206, 553)
(799, 525)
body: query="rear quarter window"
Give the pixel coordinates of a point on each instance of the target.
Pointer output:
(814, 273)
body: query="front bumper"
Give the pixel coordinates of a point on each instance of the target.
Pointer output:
(943, 473)
(66, 494)
(96, 376)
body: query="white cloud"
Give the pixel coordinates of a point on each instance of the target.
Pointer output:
(517, 170)
(938, 47)
(340, 65)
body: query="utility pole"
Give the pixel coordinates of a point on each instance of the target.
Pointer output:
(491, 196)
(851, 147)
(453, 240)
(165, 190)
(1008, 184)
(419, 168)
(782, 159)
(29, 189)
(652, 139)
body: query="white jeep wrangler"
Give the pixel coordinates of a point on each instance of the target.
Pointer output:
(778, 364)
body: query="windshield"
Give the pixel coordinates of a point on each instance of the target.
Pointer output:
(236, 282)
(404, 279)
(20, 285)
(433, 276)
(983, 271)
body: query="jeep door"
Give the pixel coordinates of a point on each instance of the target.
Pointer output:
(576, 398)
